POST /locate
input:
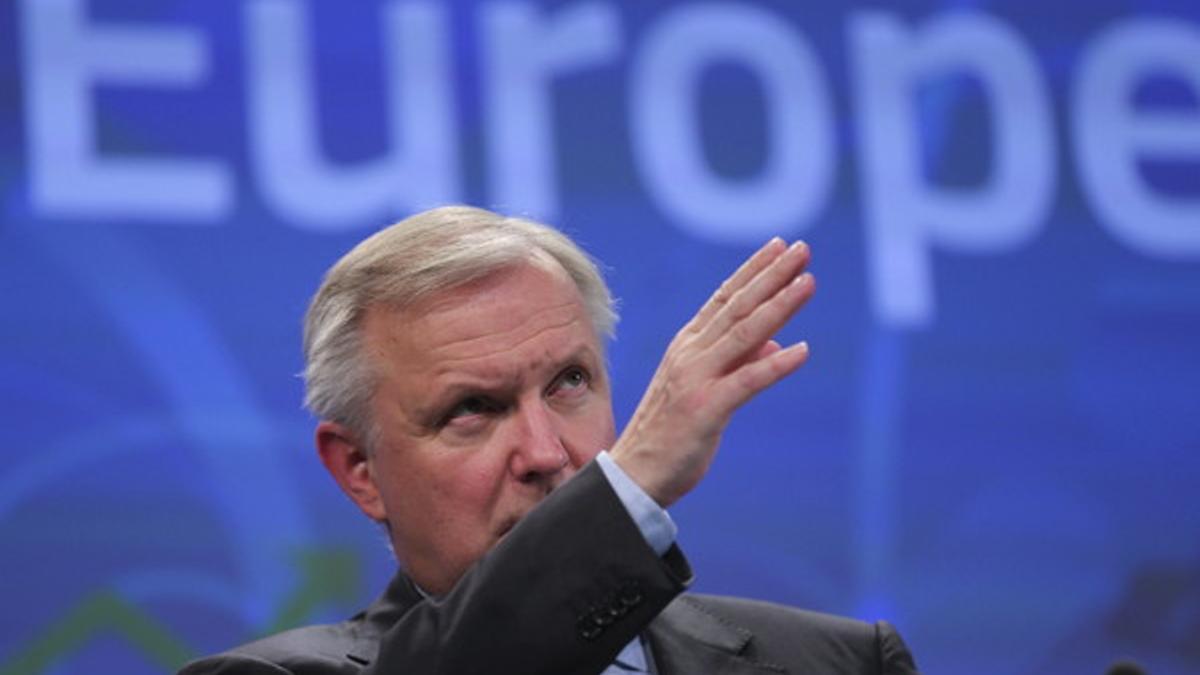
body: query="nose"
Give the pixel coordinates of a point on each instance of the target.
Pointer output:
(537, 452)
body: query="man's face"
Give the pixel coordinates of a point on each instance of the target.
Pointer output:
(490, 395)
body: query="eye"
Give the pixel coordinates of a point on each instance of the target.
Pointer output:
(572, 379)
(469, 407)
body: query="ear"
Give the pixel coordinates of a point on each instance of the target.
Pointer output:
(345, 458)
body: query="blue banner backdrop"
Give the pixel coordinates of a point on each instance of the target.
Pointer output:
(996, 444)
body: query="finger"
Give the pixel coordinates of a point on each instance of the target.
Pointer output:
(764, 286)
(764, 350)
(744, 274)
(768, 348)
(747, 336)
(731, 392)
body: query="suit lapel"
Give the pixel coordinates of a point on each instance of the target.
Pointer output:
(687, 638)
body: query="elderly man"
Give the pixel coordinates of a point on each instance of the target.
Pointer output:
(456, 362)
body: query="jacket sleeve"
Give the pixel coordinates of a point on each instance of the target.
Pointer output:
(569, 586)
(562, 593)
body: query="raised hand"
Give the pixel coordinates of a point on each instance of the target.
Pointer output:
(721, 359)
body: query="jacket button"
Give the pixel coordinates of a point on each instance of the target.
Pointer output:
(588, 630)
(630, 595)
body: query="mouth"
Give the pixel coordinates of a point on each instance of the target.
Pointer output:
(507, 524)
(506, 527)
(510, 522)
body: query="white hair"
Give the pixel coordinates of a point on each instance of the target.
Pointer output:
(427, 253)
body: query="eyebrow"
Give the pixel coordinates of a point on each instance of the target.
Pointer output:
(464, 386)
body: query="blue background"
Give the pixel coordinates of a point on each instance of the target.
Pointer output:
(1009, 474)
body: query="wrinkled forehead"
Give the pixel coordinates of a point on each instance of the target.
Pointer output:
(500, 312)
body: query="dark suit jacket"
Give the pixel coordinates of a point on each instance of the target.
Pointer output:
(568, 587)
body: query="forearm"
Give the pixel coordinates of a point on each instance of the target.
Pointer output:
(563, 593)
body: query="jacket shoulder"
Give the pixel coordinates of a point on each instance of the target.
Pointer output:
(330, 648)
(760, 617)
(787, 639)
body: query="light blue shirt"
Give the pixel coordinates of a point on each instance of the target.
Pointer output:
(659, 531)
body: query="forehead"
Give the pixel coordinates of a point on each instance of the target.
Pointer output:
(515, 315)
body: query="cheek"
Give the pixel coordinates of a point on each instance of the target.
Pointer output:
(467, 484)
(604, 427)
(445, 486)
(590, 432)
(605, 434)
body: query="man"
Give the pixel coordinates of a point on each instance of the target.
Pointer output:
(456, 362)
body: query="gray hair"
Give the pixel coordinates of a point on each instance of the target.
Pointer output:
(432, 251)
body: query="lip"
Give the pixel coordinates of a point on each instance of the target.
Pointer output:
(506, 527)
(508, 523)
